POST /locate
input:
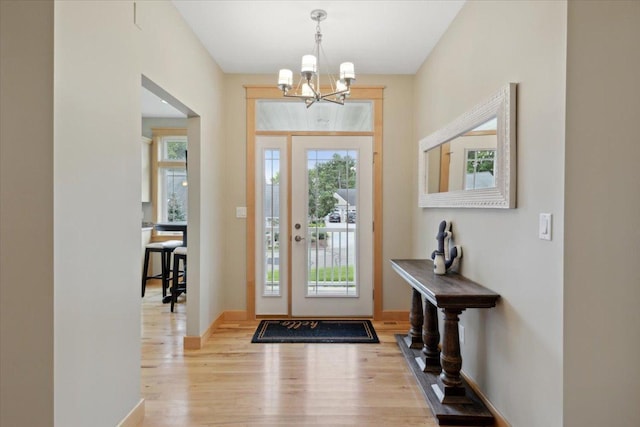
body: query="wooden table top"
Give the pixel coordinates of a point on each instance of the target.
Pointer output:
(450, 290)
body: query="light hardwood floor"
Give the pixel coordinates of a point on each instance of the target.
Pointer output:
(232, 382)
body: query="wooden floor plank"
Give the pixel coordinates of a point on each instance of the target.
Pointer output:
(232, 382)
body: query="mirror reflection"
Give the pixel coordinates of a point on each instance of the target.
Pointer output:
(471, 162)
(466, 162)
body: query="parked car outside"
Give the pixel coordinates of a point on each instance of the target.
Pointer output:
(334, 217)
(351, 217)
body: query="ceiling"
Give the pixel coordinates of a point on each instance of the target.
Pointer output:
(154, 106)
(260, 37)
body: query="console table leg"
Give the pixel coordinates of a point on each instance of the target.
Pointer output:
(414, 337)
(449, 387)
(431, 338)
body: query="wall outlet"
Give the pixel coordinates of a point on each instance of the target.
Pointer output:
(241, 212)
(461, 333)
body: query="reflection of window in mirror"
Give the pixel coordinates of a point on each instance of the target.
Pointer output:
(480, 169)
(467, 162)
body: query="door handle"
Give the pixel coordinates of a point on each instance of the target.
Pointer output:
(298, 238)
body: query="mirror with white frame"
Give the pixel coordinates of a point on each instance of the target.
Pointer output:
(471, 162)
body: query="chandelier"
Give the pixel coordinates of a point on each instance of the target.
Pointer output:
(308, 88)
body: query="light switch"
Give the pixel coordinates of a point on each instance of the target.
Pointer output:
(241, 212)
(544, 229)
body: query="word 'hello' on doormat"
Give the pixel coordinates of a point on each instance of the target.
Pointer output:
(315, 331)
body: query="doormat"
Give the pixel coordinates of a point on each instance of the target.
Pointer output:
(315, 331)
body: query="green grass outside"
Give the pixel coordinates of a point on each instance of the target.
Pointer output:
(326, 274)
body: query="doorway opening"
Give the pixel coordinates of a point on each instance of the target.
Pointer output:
(168, 129)
(314, 206)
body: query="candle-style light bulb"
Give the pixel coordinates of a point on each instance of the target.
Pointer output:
(285, 78)
(308, 64)
(347, 71)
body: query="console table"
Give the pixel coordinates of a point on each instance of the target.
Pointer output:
(451, 400)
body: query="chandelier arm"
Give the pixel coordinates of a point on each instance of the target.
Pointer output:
(298, 96)
(337, 92)
(332, 100)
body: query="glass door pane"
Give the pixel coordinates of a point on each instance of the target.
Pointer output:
(271, 244)
(332, 201)
(271, 216)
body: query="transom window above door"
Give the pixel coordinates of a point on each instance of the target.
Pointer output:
(277, 115)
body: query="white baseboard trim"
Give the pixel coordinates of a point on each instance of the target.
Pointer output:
(134, 417)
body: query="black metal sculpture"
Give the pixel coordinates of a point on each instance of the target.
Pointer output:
(444, 256)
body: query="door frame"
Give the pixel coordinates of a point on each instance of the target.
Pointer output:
(259, 92)
(360, 304)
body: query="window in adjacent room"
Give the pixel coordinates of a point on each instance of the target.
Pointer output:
(170, 201)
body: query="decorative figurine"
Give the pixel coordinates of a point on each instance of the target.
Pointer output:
(444, 256)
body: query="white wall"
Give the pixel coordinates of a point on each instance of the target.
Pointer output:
(26, 214)
(173, 58)
(602, 240)
(398, 156)
(96, 213)
(513, 351)
(70, 225)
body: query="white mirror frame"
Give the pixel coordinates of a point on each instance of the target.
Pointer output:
(501, 105)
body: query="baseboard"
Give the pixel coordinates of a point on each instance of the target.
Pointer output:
(500, 420)
(235, 315)
(397, 315)
(196, 342)
(134, 417)
(192, 342)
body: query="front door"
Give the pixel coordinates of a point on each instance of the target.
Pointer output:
(331, 226)
(316, 225)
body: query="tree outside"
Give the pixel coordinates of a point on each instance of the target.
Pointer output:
(327, 177)
(175, 210)
(481, 161)
(176, 150)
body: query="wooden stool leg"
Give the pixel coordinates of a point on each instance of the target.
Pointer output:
(184, 273)
(174, 286)
(145, 270)
(165, 259)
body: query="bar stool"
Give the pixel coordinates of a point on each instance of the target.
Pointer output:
(164, 249)
(179, 254)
